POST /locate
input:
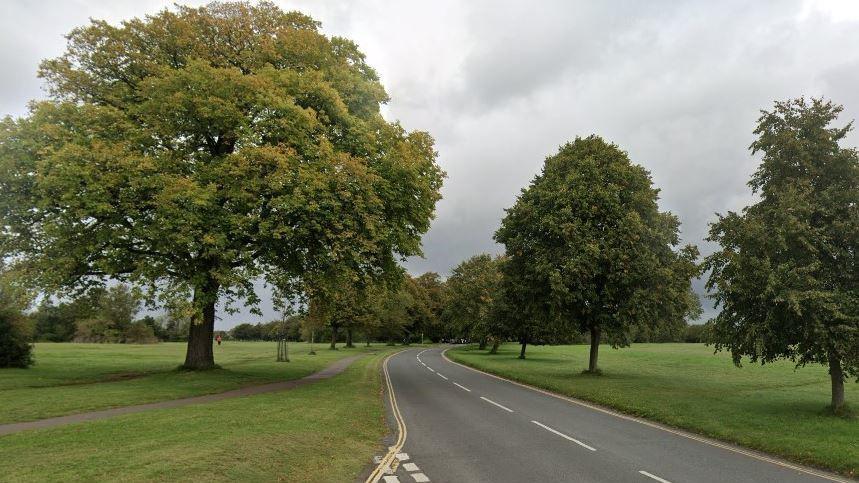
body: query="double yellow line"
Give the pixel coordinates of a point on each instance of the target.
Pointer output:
(377, 473)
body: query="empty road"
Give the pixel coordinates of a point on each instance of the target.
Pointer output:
(465, 426)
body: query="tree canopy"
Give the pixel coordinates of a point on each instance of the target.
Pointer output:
(473, 290)
(198, 150)
(591, 250)
(786, 275)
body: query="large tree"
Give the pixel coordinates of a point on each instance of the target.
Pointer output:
(786, 276)
(473, 289)
(200, 149)
(589, 246)
(430, 294)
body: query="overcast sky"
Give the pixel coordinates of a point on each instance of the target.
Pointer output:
(501, 85)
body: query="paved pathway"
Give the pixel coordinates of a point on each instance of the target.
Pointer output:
(330, 371)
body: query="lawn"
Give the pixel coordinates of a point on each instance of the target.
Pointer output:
(323, 432)
(73, 378)
(773, 408)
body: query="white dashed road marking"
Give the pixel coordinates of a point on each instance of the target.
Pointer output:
(402, 456)
(574, 440)
(411, 467)
(661, 480)
(490, 401)
(430, 368)
(441, 375)
(420, 477)
(391, 479)
(461, 386)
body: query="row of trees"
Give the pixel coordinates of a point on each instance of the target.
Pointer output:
(589, 252)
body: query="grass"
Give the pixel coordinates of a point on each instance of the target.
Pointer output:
(323, 432)
(73, 378)
(773, 408)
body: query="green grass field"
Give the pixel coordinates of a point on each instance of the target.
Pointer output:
(73, 378)
(322, 432)
(773, 408)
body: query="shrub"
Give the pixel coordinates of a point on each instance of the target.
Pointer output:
(140, 333)
(694, 333)
(15, 349)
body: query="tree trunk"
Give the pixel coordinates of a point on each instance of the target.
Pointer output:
(595, 348)
(524, 342)
(495, 344)
(349, 338)
(482, 344)
(199, 355)
(836, 374)
(334, 330)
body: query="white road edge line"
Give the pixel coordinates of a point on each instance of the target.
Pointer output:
(461, 386)
(684, 434)
(430, 368)
(490, 401)
(662, 480)
(441, 376)
(574, 440)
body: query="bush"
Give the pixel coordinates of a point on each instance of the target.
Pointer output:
(695, 334)
(15, 349)
(96, 330)
(140, 333)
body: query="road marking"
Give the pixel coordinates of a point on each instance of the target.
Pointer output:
(411, 467)
(658, 426)
(402, 456)
(420, 477)
(490, 401)
(391, 479)
(461, 386)
(661, 480)
(430, 368)
(441, 375)
(574, 440)
(402, 432)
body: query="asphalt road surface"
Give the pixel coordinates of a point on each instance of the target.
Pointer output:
(465, 426)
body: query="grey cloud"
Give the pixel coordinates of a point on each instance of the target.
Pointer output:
(501, 84)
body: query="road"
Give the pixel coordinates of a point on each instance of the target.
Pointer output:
(465, 426)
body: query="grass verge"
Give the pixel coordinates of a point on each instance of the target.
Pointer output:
(323, 432)
(772, 408)
(74, 378)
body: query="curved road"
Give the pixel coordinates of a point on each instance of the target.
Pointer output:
(466, 426)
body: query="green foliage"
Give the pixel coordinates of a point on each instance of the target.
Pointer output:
(697, 333)
(473, 291)
(111, 317)
(786, 275)
(197, 150)
(247, 332)
(430, 294)
(15, 349)
(589, 248)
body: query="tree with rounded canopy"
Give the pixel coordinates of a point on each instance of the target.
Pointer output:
(786, 275)
(590, 249)
(199, 150)
(473, 289)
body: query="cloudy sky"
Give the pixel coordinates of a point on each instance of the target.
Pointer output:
(502, 84)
